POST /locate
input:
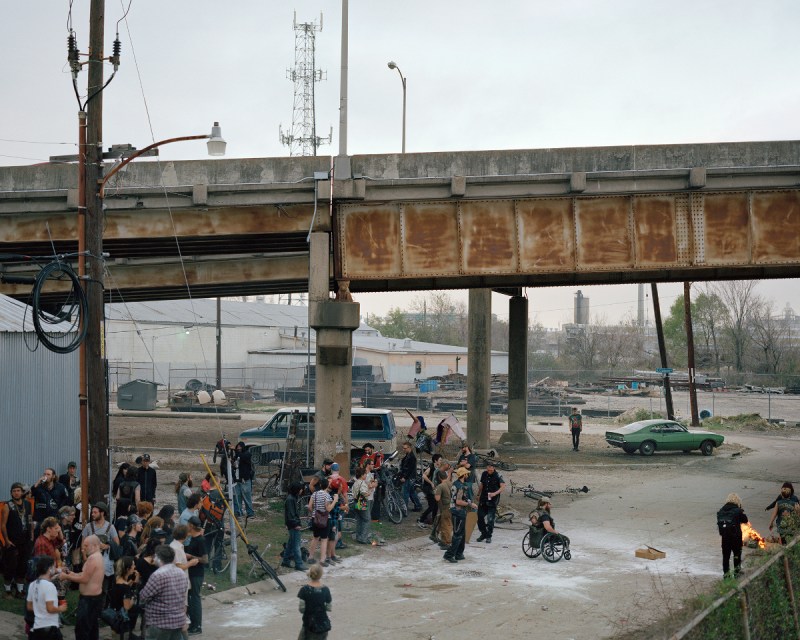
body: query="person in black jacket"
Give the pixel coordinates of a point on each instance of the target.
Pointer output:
(408, 476)
(291, 518)
(49, 496)
(243, 481)
(729, 521)
(70, 481)
(146, 476)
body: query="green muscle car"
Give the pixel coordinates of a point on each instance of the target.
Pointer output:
(662, 435)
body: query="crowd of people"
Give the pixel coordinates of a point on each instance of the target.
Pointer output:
(142, 568)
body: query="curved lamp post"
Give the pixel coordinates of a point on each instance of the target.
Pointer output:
(393, 65)
(216, 147)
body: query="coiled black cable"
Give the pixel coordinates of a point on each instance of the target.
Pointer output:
(73, 310)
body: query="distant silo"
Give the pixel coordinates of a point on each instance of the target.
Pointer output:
(581, 309)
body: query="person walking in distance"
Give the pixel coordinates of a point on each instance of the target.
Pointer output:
(575, 426)
(196, 548)
(315, 603)
(16, 526)
(148, 481)
(90, 586)
(729, 521)
(164, 597)
(243, 481)
(460, 501)
(490, 487)
(443, 525)
(428, 485)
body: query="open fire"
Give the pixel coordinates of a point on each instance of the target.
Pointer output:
(751, 537)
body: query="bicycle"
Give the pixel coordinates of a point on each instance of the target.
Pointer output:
(482, 459)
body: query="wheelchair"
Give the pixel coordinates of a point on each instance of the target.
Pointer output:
(551, 546)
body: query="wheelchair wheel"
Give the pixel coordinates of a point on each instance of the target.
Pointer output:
(528, 549)
(567, 555)
(553, 547)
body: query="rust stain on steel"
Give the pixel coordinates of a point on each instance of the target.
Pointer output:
(371, 241)
(431, 238)
(603, 233)
(488, 236)
(654, 224)
(776, 227)
(215, 221)
(546, 237)
(32, 228)
(727, 237)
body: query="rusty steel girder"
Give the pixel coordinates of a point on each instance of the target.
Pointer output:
(583, 238)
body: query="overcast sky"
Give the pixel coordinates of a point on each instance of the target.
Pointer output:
(481, 75)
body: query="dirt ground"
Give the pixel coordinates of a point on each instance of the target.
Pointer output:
(666, 501)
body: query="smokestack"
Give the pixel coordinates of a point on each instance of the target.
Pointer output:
(581, 308)
(640, 314)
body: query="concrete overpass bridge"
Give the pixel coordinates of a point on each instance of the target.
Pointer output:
(500, 219)
(476, 220)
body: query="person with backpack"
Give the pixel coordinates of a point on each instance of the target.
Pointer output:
(315, 603)
(128, 494)
(320, 505)
(729, 522)
(108, 540)
(785, 507)
(44, 603)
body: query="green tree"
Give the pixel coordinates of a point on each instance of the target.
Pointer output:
(708, 318)
(675, 334)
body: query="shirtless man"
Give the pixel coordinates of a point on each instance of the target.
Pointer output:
(90, 585)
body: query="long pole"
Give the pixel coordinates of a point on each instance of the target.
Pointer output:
(82, 384)
(662, 349)
(687, 308)
(219, 343)
(343, 84)
(404, 112)
(95, 369)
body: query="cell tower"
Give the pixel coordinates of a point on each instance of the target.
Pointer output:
(303, 140)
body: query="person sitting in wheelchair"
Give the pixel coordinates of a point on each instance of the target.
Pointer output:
(542, 522)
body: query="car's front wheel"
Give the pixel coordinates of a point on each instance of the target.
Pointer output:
(647, 447)
(707, 447)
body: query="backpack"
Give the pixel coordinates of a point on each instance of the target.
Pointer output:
(727, 519)
(211, 511)
(126, 490)
(535, 518)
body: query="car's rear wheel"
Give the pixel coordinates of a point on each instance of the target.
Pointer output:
(707, 447)
(647, 447)
(629, 449)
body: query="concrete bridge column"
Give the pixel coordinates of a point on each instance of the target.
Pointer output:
(517, 373)
(479, 332)
(334, 321)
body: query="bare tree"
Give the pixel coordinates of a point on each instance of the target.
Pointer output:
(770, 336)
(740, 299)
(708, 316)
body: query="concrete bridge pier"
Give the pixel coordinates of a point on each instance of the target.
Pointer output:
(479, 331)
(334, 322)
(517, 373)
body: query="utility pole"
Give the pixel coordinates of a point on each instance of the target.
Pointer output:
(95, 356)
(662, 349)
(687, 312)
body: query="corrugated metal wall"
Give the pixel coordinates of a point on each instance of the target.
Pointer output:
(38, 410)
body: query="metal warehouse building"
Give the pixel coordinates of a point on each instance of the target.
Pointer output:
(38, 401)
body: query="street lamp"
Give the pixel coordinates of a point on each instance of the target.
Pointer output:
(393, 65)
(216, 147)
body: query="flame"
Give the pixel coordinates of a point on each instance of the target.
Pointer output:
(749, 534)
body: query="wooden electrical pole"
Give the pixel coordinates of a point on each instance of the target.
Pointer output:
(687, 312)
(662, 349)
(95, 356)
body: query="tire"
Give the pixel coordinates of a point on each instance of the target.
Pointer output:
(272, 487)
(707, 447)
(647, 448)
(392, 507)
(506, 466)
(268, 570)
(527, 549)
(553, 547)
(629, 449)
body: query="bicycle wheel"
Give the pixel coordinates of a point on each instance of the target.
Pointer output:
(218, 557)
(272, 487)
(302, 511)
(480, 461)
(392, 507)
(505, 466)
(266, 567)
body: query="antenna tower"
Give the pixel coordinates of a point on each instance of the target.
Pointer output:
(303, 140)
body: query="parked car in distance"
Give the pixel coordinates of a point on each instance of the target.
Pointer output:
(662, 435)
